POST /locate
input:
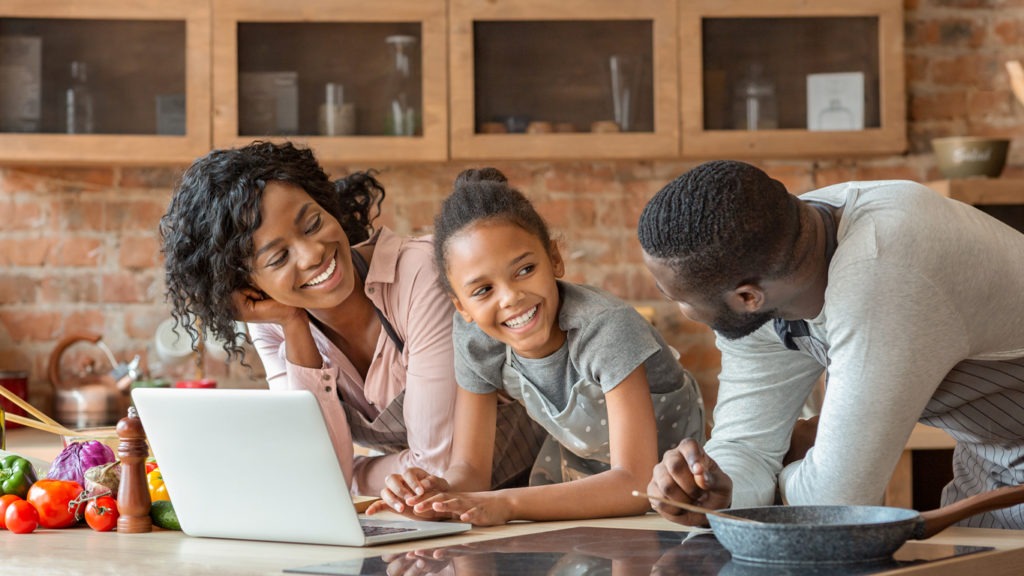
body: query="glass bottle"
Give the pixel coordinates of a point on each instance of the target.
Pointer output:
(78, 101)
(402, 115)
(835, 117)
(754, 106)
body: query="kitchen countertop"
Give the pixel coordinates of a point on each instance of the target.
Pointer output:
(82, 550)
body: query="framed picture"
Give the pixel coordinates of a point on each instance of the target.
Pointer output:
(835, 101)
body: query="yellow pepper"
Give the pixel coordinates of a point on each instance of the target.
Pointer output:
(157, 489)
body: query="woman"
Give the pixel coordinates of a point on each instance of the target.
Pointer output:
(352, 314)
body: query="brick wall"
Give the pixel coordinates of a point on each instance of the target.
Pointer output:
(79, 250)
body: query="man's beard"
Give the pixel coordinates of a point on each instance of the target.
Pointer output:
(736, 325)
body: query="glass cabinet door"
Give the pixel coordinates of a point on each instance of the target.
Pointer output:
(791, 78)
(100, 80)
(536, 79)
(357, 81)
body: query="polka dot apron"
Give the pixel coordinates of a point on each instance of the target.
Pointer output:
(578, 445)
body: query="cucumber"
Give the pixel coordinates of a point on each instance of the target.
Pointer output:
(163, 515)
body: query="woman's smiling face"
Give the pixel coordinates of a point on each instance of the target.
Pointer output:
(503, 278)
(301, 254)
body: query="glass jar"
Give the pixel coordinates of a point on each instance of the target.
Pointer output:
(402, 101)
(337, 117)
(754, 105)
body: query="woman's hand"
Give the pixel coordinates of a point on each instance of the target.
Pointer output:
(687, 474)
(405, 490)
(251, 305)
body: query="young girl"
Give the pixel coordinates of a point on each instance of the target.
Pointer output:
(352, 314)
(587, 367)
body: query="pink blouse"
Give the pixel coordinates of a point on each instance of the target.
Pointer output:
(402, 283)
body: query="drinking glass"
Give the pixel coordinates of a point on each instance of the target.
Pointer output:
(625, 72)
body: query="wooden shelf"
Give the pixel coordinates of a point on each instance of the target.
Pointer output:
(284, 45)
(135, 52)
(981, 191)
(521, 57)
(789, 39)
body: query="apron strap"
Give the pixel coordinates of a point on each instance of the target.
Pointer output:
(789, 330)
(363, 268)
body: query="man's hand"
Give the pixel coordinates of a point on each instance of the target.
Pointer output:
(687, 474)
(804, 434)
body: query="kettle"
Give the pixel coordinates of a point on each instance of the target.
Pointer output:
(92, 396)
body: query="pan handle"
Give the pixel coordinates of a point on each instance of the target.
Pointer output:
(935, 521)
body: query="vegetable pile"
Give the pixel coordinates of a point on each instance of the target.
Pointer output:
(81, 485)
(60, 499)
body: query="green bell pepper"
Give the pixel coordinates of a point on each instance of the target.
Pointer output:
(16, 475)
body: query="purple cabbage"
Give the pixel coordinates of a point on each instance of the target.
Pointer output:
(78, 457)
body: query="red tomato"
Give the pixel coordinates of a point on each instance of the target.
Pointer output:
(5, 500)
(101, 514)
(21, 517)
(51, 499)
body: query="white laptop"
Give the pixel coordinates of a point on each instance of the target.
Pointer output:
(259, 465)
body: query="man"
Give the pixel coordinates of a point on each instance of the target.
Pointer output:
(914, 304)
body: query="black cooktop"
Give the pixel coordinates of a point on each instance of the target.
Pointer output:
(613, 552)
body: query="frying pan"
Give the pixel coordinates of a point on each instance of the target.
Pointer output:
(842, 534)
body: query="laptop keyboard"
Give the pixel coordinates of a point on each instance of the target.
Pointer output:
(381, 530)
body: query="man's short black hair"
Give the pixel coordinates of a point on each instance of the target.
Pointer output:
(720, 225)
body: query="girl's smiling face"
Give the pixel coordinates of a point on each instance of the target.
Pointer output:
(300, 256)
(503, 278)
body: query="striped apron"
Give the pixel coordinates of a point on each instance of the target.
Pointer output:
(517, 439)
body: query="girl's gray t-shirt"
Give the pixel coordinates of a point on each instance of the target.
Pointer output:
(606, 340)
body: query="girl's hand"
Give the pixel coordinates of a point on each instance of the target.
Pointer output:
(416, 564)
(687, 474)
(477, 508)
(405, 490)
(251, 305)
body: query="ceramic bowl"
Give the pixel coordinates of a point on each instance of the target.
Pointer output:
(967, 156)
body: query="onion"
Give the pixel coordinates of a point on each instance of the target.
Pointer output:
(103, 479)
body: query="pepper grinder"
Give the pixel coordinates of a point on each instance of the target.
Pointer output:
(133, 501)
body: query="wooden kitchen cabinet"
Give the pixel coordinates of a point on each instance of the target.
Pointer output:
(147, 66)
(273, 60)
(533, 79)
(487, 79)
(783, 78)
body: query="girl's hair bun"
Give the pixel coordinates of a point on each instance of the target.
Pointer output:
(487, 174)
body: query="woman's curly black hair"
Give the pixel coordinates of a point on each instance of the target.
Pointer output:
(479, 195)
(207, 230)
